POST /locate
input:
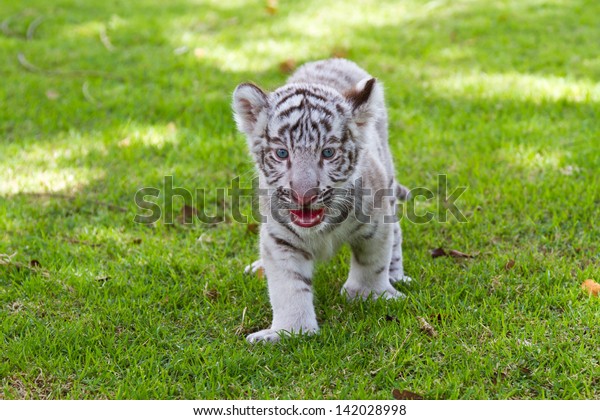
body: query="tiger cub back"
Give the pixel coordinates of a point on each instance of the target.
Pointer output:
(326, 177)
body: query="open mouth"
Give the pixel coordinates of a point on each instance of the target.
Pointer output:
(307, 217)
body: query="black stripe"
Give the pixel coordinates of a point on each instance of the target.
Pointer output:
(335, 179)
(273, 179)
(297, 92)
(380, 270)
(319, 108)
(371, 233)
(325, 123)
(286, 112)
(283, 129)
(288, 227)
(301, 92)
(285, 244)
(302, 278)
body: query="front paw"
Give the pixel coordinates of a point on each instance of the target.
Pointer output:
(274, 335)
(354, 292)
(268, 335)
(401, 279)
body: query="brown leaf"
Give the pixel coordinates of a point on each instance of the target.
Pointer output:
(438, 252)
(260, 273)
(426, 327)
(510, 264)
(339, 52)
(525, 370)
(252, 228)
(591, 287)
(34, 265)
(457, 254)
(187, 215)
(406, 395)
(212, 294)
(287, 66)
(272, 6)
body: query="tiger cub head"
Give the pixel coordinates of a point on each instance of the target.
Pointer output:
(306, 140)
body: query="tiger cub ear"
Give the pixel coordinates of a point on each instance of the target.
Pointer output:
(248, 102)
(361, 98)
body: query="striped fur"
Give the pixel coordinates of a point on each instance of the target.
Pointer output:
(312, 198)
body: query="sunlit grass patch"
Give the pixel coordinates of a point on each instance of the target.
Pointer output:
(516, 86)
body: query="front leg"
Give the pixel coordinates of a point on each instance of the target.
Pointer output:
(369, 270)
(288, 268)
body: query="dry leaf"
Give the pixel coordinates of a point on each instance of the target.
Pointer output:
(212, 294)
(510, 264)
(34, 265)
(591, 287)
(426, 327)
(339, 52)
(525, 370)
(457, 254)
(406, 395)
(252, 228)
(438, 252)
(287, 66)
(260, 273)
(272, 6)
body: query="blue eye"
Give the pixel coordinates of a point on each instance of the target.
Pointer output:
(282, 153)
(328, 153)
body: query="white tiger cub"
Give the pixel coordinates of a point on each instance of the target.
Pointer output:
(326, 178)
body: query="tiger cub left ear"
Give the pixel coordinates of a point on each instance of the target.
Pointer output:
(249, 101)
(361, 99)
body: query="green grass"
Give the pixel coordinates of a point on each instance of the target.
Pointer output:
(503, 97)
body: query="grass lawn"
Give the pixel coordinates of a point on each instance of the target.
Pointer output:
(101, 98)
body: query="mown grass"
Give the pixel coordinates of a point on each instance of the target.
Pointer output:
(108, 97)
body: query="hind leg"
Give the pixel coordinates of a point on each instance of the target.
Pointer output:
(368, 277)
(396, 266)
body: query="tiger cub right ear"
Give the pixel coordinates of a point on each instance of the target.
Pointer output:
(361, 98)
(248, 102)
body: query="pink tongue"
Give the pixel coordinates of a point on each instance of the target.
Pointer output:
(307, 217)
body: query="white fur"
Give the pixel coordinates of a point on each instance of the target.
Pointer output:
(288, 258)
